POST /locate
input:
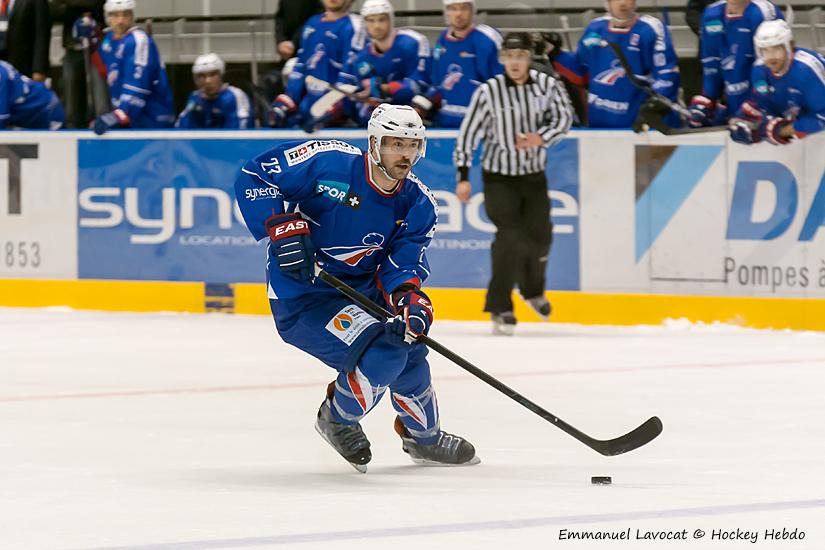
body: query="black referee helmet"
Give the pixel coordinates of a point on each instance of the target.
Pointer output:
(518, 41)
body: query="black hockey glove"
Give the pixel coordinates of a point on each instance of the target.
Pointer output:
(290, 246)
(652, 114)
(553, 44)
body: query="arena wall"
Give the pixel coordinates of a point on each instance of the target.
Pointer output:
(647, 227)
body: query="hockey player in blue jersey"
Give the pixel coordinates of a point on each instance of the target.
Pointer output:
(215, 104)
(26, 103)
(138, 85)
(787, 101)
(613, 101)
(366, 219)
(328, 41)
(727, 55)
(392, 67)
(464, 56)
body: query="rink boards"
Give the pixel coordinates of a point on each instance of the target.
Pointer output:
(646, 227)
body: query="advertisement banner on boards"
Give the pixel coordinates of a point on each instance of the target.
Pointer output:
(38, 217)
(164, 209)
(704, 216)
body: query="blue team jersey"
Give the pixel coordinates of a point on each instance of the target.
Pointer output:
(727, 49)
(231, 109)
(798, 94)
(366, 236)
(326, 46)
(137, 79)
(613, 102)
(25, 103)
(458, 67)
(404, 66)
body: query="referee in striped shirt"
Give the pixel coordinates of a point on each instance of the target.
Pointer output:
(518, 115)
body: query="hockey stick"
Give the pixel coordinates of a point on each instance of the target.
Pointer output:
(656, 121)
(641, 83)
(659, 125)
(668, 131)
(642, 435)
(334, 95)
(91, 108)
(565, 25)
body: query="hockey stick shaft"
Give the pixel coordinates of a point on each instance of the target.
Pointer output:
(640, 83)
(313, 81)
(638, 437)
(91, 108)
(688, 131)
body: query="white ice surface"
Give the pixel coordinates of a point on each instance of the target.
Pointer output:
(195, 431)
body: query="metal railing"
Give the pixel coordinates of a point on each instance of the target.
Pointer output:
(255, 44)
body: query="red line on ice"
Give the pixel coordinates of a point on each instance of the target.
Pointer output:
(523, 374)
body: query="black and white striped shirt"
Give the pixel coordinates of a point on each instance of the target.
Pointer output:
(500, 110)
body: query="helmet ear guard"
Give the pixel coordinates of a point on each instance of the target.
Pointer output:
(394, 121)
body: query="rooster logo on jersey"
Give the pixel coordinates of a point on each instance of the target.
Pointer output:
(454, 74)
(351, 255)
(610, 76)
(316, 57)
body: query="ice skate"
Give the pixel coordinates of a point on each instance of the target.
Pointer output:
(448, 450)
(541, 306)
(504, 323)
(348, 440)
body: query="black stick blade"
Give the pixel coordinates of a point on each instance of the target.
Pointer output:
(642, 435)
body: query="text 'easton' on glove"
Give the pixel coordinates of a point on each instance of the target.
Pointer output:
(290, 247)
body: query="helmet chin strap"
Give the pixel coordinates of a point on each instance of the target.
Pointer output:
(377, 161)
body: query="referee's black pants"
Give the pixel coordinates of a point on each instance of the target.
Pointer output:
(520, 209)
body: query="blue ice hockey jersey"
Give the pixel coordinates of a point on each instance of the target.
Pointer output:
(326, 46)
(458, 67)
(231, 109)
(403, 66)
(25, 103)
(613, 102)
(137, 79)
(798, 94)
(362, 232)
(727, 49)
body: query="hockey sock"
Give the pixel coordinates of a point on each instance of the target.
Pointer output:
(419, 414)
(354, 396)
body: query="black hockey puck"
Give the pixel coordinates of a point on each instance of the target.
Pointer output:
(601, 480)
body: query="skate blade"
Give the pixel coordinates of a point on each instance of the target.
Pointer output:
(361, 468)
(424, 462)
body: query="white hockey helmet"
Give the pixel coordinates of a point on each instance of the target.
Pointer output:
(119, 5)
(451, 2)
(395, 121)
(208, 63)
(773, 33)
(375, 7)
